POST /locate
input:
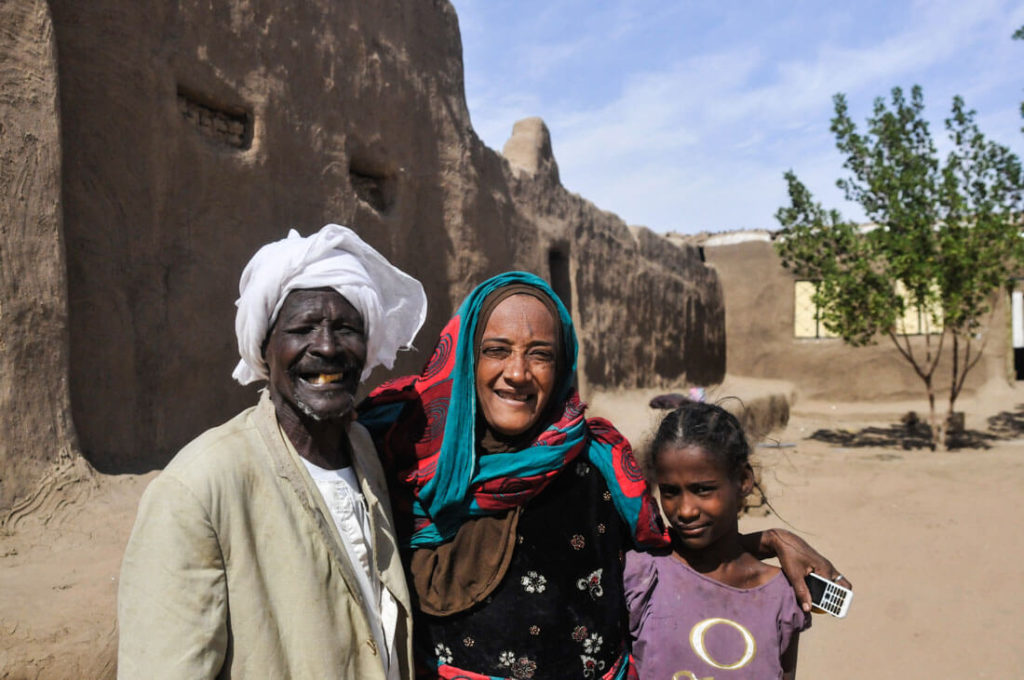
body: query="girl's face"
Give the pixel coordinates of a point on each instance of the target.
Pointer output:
(700, 500)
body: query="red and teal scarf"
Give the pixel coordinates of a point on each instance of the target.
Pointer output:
(425, 426)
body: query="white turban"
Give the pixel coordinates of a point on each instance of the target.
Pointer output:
(392, 303)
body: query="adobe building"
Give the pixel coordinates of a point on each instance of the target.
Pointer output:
(772, 333)
(147, 149)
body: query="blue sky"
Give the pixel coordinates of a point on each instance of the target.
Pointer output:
(683, 116)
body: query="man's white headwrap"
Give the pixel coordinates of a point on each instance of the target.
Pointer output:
(392, 303)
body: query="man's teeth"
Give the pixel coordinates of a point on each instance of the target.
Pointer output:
(324, 378)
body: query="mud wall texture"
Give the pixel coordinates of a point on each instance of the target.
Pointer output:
(759, 324)
(36, 434)
(193, 132)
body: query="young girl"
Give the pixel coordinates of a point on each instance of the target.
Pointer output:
(706, 608)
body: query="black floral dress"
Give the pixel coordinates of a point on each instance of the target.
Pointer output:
(559, 612)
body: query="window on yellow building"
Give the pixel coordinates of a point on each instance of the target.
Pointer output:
(807, 321)
(918, 320)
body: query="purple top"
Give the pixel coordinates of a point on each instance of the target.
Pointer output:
(685, 623)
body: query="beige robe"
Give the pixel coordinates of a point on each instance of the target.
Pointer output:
(235, 568)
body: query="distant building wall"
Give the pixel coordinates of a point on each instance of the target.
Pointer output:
(192, 133)
(759, 321)
(649, 311)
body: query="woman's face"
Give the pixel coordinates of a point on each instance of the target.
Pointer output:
(516, 365)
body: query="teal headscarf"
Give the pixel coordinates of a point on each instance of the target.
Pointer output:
(432, 448)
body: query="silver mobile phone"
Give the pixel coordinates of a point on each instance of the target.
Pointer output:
(828, 596)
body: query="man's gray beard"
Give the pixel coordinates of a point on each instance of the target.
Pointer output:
(320, 417)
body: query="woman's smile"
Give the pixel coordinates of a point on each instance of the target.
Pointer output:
(515, 397)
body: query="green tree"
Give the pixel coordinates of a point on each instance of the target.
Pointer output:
(945, 236)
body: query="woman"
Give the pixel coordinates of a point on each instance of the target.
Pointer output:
(518, 510)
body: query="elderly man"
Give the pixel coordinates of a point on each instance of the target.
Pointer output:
(265, 548)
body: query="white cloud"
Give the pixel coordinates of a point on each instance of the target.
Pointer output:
(700, 140)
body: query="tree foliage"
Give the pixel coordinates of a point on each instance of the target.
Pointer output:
(945, 234)
(817, 245)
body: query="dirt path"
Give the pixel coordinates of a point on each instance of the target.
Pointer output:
(58, 586)
(932, 544)
(931, 541)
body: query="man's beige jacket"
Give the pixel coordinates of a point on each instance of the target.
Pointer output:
(235, 568)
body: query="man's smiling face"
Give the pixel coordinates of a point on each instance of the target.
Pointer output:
(315, 353)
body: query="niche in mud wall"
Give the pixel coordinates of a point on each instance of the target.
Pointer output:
(558, 270)
(561, 283)
(373, 181)
(230, 125)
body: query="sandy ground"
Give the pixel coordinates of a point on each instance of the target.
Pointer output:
(931, 541)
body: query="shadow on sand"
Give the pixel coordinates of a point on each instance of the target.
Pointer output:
(1007, 425)
(913, 433)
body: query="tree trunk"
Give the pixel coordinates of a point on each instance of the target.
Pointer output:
(924, 371)
(961, 369)
(938, 428)
(953, 391)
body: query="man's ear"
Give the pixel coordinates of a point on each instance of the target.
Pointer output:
(266, 341)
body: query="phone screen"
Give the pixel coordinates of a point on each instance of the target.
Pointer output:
(817, 588)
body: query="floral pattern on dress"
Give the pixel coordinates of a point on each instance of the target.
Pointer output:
(591, 666)
(523, 668)
(582, 468)
(533, 582)
(443, 653)
(557, 613)
(592, 583)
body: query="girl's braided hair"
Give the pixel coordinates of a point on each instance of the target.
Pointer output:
(708, 426)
